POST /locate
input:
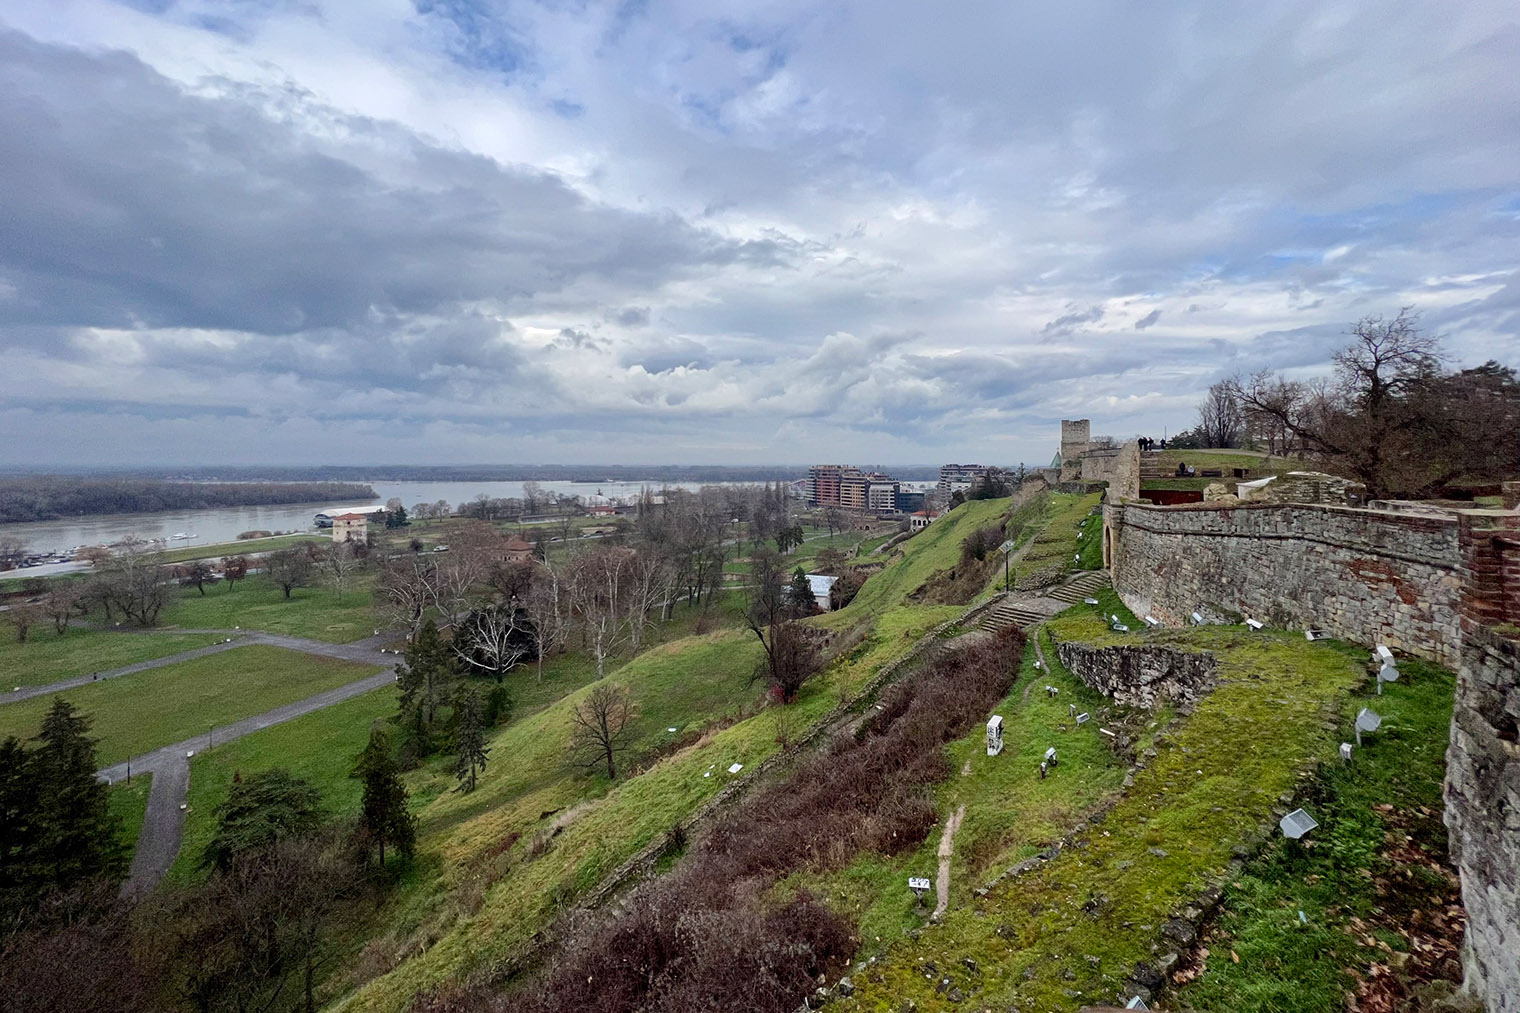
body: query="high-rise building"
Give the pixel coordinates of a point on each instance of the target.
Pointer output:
(849, 488)
(960, 477)
(881, 493)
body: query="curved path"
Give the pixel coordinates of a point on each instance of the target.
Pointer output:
(364, 651)
(164, 821)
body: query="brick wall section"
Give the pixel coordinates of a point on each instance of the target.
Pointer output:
(1490, 542)
(1483, 813)
(1363, 575)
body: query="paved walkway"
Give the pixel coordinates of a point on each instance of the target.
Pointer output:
(164, 822)
(366, 651)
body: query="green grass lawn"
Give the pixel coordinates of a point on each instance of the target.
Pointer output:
(129, 802)
(47, 657)
(140, 712)
(256, 604)
(1345, 871)
(1067, 933)
(320, 747)
(218, 550)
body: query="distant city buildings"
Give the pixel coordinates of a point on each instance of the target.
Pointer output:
(849, 488)
(955, 478)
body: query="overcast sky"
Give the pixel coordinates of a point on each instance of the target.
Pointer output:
(358, 231)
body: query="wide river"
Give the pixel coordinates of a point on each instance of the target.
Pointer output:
(199, 527)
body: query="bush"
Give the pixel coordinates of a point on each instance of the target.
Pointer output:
(981, 543)
(703, 937)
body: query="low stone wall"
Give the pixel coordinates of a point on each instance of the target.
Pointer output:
(1483, 813)
(1363, 575)
(1142, 674)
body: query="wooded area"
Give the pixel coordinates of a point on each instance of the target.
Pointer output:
(49, 497)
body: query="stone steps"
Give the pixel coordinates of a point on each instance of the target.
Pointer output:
(1083, 585)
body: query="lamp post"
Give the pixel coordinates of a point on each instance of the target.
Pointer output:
(1007, 548)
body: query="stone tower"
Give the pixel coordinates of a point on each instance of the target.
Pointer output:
(1076, 439)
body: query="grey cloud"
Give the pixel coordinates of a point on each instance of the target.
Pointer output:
(132, 202)
(1147, 320)
(665, 354)
(1069, 322)
(630, 316)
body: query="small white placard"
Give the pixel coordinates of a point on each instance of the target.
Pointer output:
(736, 768)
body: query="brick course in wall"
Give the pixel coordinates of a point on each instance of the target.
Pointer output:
(1364, 576)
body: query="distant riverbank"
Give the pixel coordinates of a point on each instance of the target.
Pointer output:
(184, 528)
(27, 499)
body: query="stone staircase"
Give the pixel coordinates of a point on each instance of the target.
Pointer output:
(1025, 611)
(1082, 585)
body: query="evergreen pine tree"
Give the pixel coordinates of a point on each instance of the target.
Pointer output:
(261, 810)
(800, 595)
(469, 738)
(18, 825)
(424, 680)
(383, 813)
(77, 834)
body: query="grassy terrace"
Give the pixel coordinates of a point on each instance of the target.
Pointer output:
(1010, 811)
(1051, 555)
(218, 550)
(47, 657)
(1069, 932)
(487, 889)
(1365, 903)
(140, 712)
(255, 604)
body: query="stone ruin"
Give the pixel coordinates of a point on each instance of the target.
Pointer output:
(1142, 674)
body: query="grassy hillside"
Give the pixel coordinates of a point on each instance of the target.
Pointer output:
(1068, 932)
(536, 834)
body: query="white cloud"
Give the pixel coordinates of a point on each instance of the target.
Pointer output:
(755, 232)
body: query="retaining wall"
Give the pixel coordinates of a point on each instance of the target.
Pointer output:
(1362, 575)
(1143, 674)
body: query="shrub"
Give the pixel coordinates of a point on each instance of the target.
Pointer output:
(703, 937)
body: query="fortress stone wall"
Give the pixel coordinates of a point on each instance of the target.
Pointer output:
(1439, 585)
(1483, 814)
(1362, 575)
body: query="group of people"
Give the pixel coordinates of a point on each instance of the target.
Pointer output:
(1146, 443)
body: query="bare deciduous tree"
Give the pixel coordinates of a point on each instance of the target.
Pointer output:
(1390, 417)
(600, 727)
(339, 564)
(1219, 416)
(12, 552)
(548, 610)
(600, 585)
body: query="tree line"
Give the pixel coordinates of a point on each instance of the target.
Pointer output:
(1391, 414)
(50, 497)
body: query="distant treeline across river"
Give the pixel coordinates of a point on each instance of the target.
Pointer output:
(52, 497)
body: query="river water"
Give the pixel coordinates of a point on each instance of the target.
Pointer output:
(200, 527)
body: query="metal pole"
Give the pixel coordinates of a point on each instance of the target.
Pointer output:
(1005, 573)
(129, 770)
